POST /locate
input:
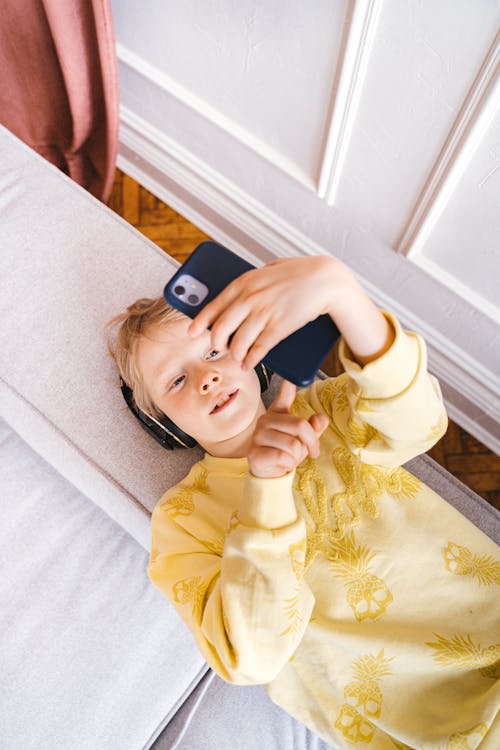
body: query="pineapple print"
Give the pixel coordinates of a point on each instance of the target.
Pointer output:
(292, 613)
(333, 395)
(439, 428)
(463, 562)
(300, 405)
(397, 482)
(326, 517)
(362, 433)
(200, 483)
(461, 651)
(364, 484)
(357, 493)
(189, 591)
(215, 546)
(467, 740)
(311, 485)
(368, 595)
(182, 503)
(363, 698)
(297, 557)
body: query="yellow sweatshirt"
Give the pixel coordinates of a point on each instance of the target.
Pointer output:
(365, 603)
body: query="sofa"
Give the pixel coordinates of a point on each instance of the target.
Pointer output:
(91, 654)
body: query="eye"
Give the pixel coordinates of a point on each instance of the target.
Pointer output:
(176, 381)
(179, 379)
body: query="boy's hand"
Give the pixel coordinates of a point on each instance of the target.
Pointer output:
(281, 441)
(265, 305)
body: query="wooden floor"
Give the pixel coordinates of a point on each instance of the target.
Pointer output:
(457, 451)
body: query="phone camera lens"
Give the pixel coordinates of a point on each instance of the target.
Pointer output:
(193, 298)
(179, 289)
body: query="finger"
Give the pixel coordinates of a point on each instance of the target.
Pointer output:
(284, 398)
(288, 444)
(206, 317)
(296, 427)
(269, 337)
(246, 335)
(281, 459)
(278, 260)
(319, 422)
(275, 460)
(224, 328)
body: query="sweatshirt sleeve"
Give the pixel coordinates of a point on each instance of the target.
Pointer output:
(249, 604)
(390, 410)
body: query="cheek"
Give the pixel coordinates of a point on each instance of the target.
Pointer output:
(183, 408)
(250, 381)
(254, 380)
(177, 406)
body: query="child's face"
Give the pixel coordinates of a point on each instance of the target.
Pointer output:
(186, 377)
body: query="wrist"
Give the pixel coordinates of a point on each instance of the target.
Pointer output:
(268, 502)
(362, 324)
(339, 282)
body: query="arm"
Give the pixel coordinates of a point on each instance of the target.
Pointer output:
(388, 410)
(390, 395)
(277, 299)
(248, 605)
(363, 326)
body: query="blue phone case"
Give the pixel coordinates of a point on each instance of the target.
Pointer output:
(298, 357)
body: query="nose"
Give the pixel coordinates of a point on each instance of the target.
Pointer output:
(209, 380)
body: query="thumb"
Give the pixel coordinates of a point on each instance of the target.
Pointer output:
(284, 398)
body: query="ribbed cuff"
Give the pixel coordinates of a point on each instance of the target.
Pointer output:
(268, 502)
(390, 373)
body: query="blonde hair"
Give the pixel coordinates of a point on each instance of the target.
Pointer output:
(133, 324)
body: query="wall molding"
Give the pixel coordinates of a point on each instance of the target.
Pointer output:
(348, 85)
(196, 103)
(233, 217)
(470, 125)
(442, 275)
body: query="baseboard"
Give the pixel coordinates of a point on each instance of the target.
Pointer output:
(232, 217)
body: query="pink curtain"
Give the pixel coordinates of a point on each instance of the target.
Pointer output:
(59, 85)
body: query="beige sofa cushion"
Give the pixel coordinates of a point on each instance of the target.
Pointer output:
(67, 265)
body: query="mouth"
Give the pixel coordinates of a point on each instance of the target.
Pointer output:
(232, 397)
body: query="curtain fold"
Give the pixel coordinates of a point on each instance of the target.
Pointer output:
(59, 85)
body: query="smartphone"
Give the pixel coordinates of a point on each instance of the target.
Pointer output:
(208, 270)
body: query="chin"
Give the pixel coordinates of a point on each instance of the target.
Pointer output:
(238, 428)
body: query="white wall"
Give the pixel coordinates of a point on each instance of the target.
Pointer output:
(368, 129)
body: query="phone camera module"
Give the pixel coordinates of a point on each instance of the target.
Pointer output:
(188, 290)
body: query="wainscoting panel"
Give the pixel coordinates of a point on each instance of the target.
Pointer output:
(375, 141)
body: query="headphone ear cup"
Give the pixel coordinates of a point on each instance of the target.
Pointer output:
(163, 430)
(181, 439)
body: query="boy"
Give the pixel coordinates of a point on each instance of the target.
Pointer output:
(298, 552)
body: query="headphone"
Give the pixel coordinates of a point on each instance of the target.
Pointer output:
(166, 432)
